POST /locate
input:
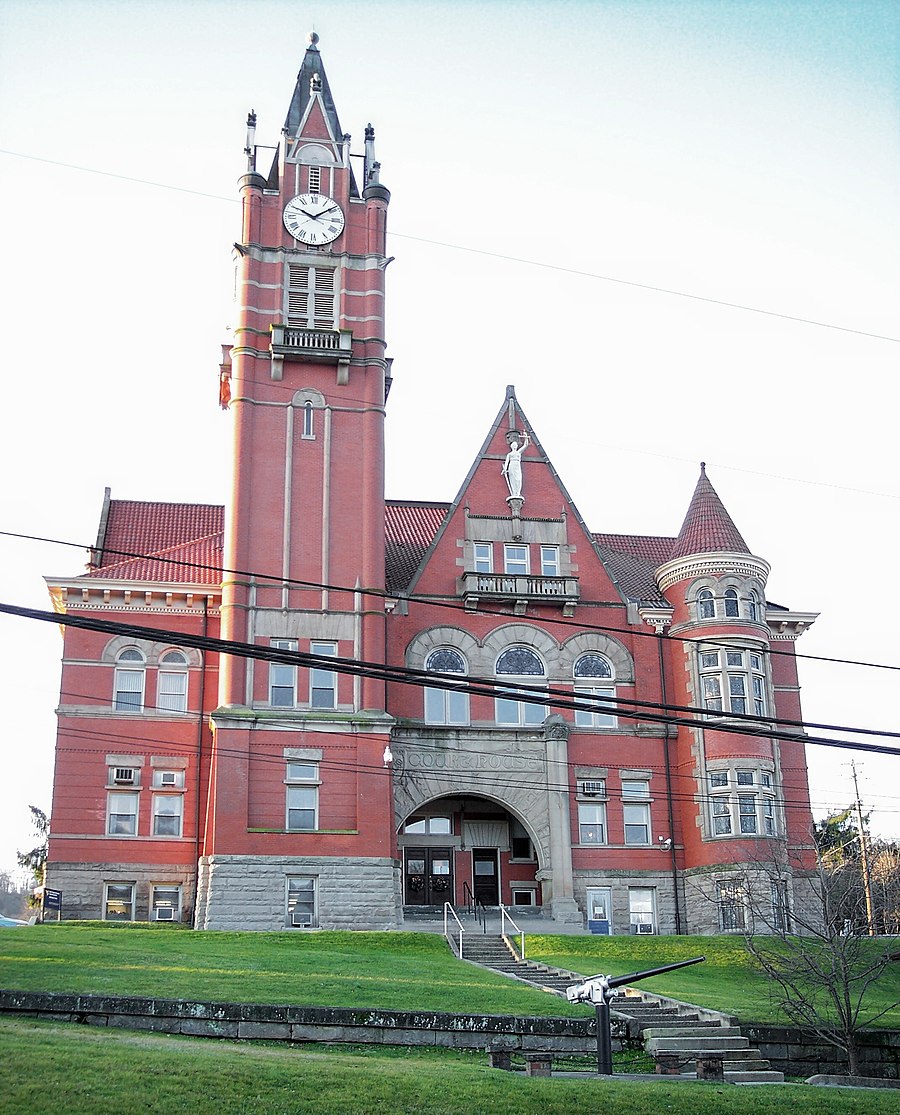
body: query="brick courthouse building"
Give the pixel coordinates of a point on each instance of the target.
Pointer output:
(597, 743)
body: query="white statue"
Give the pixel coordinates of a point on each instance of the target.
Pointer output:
(512, 466)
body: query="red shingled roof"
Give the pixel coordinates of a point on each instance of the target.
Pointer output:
(707, 527)
(172, 542)
(409, 529)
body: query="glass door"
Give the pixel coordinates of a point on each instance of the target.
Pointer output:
(428, 876)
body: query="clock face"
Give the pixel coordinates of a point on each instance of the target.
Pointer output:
(314, 218)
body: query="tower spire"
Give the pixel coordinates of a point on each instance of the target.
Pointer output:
(707, 527)
(311, 82)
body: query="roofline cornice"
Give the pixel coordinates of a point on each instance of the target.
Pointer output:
(712, 564)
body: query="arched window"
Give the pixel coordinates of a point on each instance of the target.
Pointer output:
(591, 670)
(308, 428)
(128, 695)
(446, 706)
(706, 605)
(520, 663)
(732, 609)
(172, 682)
(753, 611)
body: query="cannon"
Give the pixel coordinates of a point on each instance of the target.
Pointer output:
(601, 990)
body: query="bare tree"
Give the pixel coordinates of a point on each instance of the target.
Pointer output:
(819, 955)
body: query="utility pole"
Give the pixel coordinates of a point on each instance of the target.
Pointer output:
(863, 855)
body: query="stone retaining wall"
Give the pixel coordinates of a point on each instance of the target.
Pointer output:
(798, 1054)
(303, 1024)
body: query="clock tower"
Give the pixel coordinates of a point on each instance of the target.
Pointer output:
(304, 541)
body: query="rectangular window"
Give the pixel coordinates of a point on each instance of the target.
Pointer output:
(635, 788)
(549, 561)
(712, 692)
(737, 692)
(595, 717)
(446, 706)
(768, 809)
(637, 824)
(483, 554)
(734, 658)
(721, 808)
(311, 297)
(745, 777)
(302, 797)
(129, 696)
(314, 179)
(759, 695)
(165, 903)
(167, 814)
(718, 778)
(282, 677)
(118, 902)
(523, 897)
(515, 559)
(528, 713)
(591, 823)
(732, 907)
(781, 914)
(323, 683)
(641, 903)
(171, 694)
(302, 910)
(121, 814)
(747, 813)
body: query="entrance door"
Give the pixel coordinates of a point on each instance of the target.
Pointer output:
(487, 883)
(428, 876)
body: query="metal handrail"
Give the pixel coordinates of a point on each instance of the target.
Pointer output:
(448, 909)
(506, 916)
(472, 906)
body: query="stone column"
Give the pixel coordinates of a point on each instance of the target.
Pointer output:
(562, 903)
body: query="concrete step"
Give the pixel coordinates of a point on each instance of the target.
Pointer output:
(696, 1044)
(693, 1030)
(760, 1077)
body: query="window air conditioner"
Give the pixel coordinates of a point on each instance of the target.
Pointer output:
(124, 776)
(644, 927)
(165, 913)
(592, 789)
(168, 778)
(301, 921)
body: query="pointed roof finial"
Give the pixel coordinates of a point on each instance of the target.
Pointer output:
(707, 527)
(313, 40)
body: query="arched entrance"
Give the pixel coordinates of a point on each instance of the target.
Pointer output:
(464, 849)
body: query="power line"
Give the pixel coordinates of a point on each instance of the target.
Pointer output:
(542, 264)
(478, 686)
(442, 602)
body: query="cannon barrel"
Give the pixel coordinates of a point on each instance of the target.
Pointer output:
(620, 981)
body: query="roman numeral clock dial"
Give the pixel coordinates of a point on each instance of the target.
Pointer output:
(314, 218)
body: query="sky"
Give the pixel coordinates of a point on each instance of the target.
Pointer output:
(674, 227)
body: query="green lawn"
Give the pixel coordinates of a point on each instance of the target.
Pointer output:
(727, 981)
(82, 1071)
(390, 971)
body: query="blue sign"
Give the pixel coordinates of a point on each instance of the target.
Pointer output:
(52, 899)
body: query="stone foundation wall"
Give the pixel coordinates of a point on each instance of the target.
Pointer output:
(797, 1054)
(249, 892)
(619, 882)
(303, 1024)
(82, 886)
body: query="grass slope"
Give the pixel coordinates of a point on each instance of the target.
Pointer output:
(47, 1067)
(390, 971)
(728, 980)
